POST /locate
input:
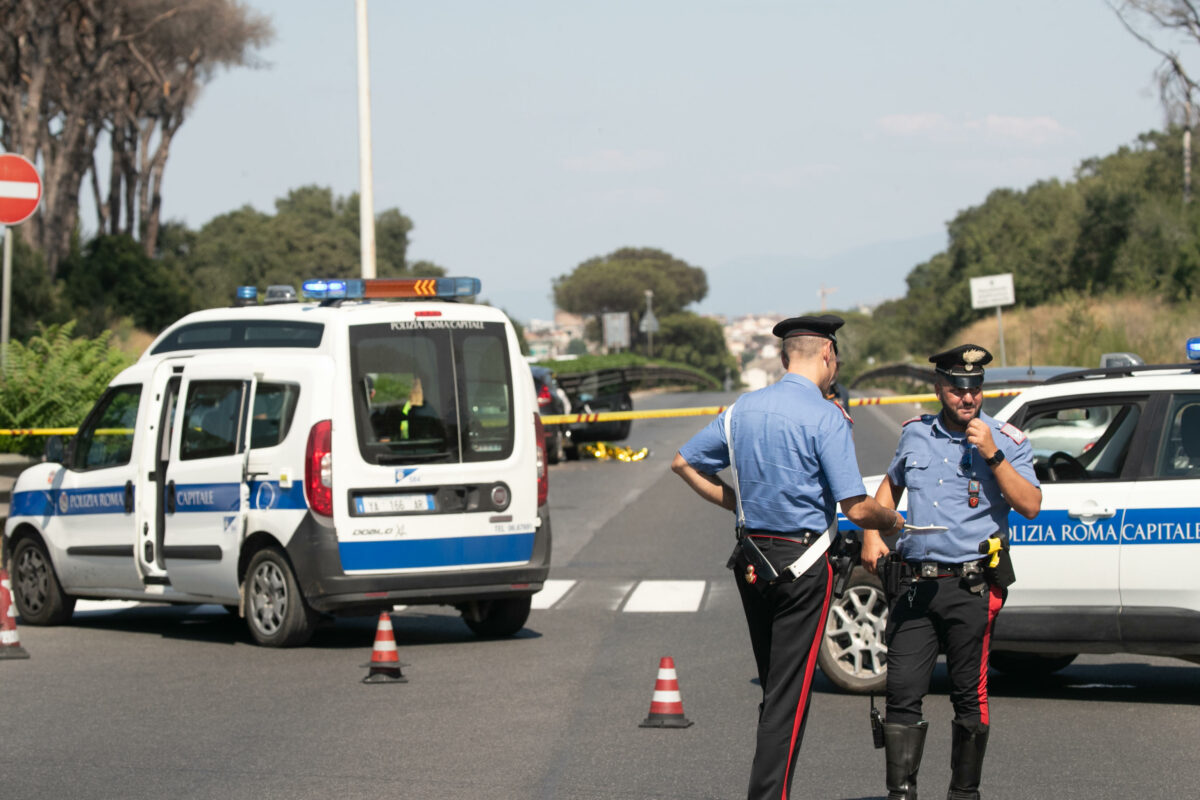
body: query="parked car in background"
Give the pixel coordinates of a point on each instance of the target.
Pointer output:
(552, 399)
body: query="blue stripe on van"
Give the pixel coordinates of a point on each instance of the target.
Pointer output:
(426, 553)
(189, 498)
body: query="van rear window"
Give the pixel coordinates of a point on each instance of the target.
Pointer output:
(242, 333)
(432, 392)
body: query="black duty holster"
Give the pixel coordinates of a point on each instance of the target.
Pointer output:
(844, 554)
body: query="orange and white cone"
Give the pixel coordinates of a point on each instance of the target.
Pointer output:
(10, 643)
(666, 707)
(385, 661)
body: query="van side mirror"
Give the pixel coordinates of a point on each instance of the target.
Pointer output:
(54, 450)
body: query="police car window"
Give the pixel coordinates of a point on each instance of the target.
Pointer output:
(106, 439)
(487, 392)
(271, 419)
(242, 333)
(404, 399)
(212, 419)
(1083, 441)
(1179, 451)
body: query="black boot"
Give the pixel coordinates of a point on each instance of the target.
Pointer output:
(966, 759)
(903, 745)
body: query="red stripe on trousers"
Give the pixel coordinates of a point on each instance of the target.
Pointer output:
(995, 601)
(808, 673)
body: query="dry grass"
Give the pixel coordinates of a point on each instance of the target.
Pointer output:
(1076, 332)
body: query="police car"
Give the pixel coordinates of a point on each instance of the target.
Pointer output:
(1110, 563)
(291, 460)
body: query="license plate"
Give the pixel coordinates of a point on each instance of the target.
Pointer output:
(394, 503)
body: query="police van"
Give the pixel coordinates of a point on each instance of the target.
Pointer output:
(1110, 563)
(291, 460)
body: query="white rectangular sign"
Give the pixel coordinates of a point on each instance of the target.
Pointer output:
(616, 330)
(992, 290)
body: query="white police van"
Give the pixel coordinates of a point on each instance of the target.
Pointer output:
(298, 459)
(1110, 563)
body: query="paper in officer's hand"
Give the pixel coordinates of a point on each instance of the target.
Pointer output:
(918, 530)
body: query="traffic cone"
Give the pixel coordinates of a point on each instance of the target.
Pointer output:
(666, 707)
(385, 661)
(10, 643)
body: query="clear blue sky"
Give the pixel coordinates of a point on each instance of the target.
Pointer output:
(780, 145)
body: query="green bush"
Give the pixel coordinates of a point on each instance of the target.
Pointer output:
(52, 381)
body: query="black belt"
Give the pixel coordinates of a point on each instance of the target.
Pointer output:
(798, 537)
(938, 569)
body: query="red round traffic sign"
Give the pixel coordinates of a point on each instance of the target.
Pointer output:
(20, 189)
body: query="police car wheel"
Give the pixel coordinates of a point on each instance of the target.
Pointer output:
(38, 595)
(853, 655)
(1029, 664)
(558, 449)
(495, 618)
(275, 610)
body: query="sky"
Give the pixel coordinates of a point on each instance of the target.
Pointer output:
(794, 150)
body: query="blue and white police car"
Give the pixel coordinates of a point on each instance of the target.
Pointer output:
(1110, 563)
(291, 459)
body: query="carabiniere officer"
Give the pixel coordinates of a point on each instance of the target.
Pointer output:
(964, 471)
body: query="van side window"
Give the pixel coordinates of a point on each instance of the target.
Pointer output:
(1179, 455)
(106, 440)
(211, 418)
(274, 407)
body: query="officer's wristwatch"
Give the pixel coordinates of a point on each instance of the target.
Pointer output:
(995, 460)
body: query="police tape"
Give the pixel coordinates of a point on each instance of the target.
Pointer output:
(707, 411)
(573, 419)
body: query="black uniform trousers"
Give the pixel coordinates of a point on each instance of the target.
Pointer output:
(786, 621)
(932, 614)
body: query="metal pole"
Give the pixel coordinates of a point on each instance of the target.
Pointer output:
(6, 301)
(1000, 325)
(366, 198)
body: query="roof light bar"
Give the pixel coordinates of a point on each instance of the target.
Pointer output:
(1193, 348)
(246, 296)
(388, 288)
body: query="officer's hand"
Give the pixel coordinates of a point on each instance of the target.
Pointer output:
(873, 549)
(979, 433)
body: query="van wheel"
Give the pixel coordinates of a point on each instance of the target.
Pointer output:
(275, 610)
(495, 618)
(853, 652)
(1028, 665)
(38, 594)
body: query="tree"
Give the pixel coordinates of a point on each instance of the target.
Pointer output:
(688, 338)
(1177, 20)
(618, 282)
(74, 70)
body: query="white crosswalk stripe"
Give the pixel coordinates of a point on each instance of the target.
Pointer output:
(557, 594)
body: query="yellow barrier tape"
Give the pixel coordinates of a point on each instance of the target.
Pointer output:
(604, 450)
(703, 411)
(570, 419)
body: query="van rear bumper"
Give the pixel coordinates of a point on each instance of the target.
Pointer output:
(314, 554)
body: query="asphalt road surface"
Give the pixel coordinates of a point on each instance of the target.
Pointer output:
(175, 702)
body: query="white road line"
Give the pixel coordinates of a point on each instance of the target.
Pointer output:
(660, 596)
(552, 591)
(105, 605)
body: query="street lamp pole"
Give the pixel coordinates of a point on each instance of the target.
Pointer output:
(366, 195)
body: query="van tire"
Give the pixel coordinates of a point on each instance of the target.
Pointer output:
(276, 612)
(38, 595)
(497, 618)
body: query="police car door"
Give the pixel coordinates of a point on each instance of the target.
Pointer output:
(92, 515)
(1069, 555)
(1160, 539)
(205, 493)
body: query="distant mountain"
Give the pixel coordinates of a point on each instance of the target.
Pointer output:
(790, 284)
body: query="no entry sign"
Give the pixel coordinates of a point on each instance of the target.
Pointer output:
(20, 189)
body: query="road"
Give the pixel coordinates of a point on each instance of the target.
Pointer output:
(153, 702)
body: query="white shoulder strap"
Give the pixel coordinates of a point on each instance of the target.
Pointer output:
(737, 492)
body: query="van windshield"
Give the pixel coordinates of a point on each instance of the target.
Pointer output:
(432, 390)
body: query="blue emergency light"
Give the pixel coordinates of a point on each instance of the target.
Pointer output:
(1193, 348)
(246, 296)
(388, 288)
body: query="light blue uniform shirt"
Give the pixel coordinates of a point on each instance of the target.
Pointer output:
(936, 466)
(795, 455)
